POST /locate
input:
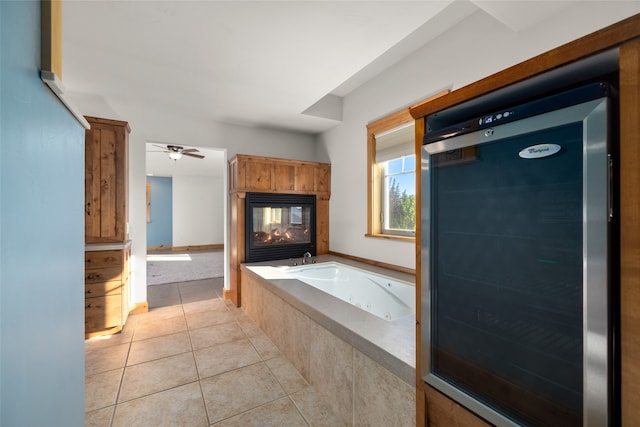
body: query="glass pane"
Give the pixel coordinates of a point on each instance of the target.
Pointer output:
(281, 225)
(400, 207)
(507, 277)
(394, 166)
(410, 163)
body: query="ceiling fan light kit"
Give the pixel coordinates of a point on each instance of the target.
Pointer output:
(176, 152)
(175, 155)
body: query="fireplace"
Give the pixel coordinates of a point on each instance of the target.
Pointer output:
(279, 226)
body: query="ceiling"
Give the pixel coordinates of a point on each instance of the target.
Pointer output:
(259, 63)
(279, 64)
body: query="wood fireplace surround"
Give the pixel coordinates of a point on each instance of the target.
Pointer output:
(254, 174)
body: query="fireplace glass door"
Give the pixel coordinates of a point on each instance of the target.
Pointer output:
(279, 226)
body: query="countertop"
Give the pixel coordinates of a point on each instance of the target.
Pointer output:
(107, 246)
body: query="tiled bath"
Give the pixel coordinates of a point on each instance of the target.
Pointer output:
(356, 387)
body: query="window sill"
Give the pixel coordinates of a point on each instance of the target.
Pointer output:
(391, 237)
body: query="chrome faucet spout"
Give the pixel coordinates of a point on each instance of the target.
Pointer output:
(307, 255)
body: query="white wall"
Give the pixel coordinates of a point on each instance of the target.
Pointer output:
(475, 48)
(151, 124)
(198, 211)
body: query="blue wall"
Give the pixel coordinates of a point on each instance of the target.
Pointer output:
(41, 236)
(160, 229)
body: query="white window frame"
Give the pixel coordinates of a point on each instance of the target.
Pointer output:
(384, 198)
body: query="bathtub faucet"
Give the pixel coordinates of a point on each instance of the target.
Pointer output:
(307, 255)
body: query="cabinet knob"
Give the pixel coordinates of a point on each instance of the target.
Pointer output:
(89, 291)
(88, 305)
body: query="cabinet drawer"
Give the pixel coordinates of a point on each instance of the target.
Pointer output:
(103, 275)
(99, 259)
(92, 290)
(102, 312)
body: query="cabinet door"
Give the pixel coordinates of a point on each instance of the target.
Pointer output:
(102, 312)
(283, 176)
(101, 259)
(103, 275)
(258, 176)
(305, 178)
(100, 289)
(106, 182)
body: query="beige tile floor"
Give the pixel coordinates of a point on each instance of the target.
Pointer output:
(195, 360)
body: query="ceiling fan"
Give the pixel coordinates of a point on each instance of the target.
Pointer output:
(176, 152)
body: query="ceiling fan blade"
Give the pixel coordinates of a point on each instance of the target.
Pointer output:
(197, 156)
(190, 150)
(164, 147)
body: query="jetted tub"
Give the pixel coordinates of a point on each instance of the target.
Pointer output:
(380, 295)
(368, 307)
(348, 327)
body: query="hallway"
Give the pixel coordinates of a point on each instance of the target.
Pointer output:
(195, 360)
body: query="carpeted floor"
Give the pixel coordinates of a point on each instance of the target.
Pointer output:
(184, 266)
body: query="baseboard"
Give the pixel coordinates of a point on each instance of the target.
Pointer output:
(198, 247)
(140, 308)
(185, 248)
(230, 295)
(376, 263)
(159, 248)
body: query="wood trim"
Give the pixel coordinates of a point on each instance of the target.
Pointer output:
(391, 237)
(421, 398)
(230, 295)
(51, 36)
(148, 202)
(185, 248)
(104, 332)
(109, 122)
(629, 62)
(383, 124)
(140, 308)
(606, 38)
(251, 157)
(198, 247)
(375, 263)
(159, 248)
(391, 121)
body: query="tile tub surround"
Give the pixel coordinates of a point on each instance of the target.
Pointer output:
(361, 365)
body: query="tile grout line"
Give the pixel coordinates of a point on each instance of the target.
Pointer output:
(124, 368)
(195, 362)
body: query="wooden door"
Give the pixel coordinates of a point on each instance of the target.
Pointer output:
(106, 181)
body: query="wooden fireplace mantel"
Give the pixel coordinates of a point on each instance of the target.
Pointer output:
(272, 175)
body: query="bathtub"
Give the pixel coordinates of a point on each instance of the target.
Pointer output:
(383, 296)
(388, 339)
(348, 327)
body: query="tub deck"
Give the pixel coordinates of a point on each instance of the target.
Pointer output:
(391, 343)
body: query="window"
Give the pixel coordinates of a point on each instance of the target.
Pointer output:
(392, 175)
(398, 198)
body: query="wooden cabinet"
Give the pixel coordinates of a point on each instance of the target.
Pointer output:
(106, 180)
(106, 287)
(270, 175)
